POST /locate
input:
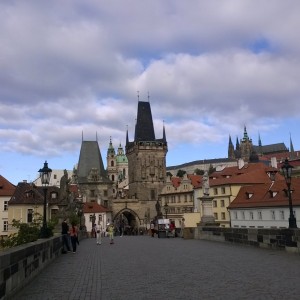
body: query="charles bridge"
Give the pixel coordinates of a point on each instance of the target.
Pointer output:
(209, 263)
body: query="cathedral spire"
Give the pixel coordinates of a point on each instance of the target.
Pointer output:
(164, 133)
(259, 141)
(230, 148)
(292, 152)
(127, 139)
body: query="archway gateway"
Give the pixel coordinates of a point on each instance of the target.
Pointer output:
(127, 222)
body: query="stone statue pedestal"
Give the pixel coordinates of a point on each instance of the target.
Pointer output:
(207, 218)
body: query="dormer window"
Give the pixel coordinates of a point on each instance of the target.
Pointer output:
(273, 194)
(249, 195)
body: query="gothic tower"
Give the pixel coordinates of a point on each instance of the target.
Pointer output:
(230, 149)
(146, 157)
(246, 146)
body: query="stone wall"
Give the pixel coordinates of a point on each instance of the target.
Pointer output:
(280, 239)
(20, 264)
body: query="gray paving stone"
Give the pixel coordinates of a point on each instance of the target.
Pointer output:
(141, 267)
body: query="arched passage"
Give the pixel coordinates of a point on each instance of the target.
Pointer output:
(127, 221)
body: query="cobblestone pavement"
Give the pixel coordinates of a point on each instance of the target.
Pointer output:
(141, 267)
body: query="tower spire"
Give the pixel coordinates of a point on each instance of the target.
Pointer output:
(292, 152)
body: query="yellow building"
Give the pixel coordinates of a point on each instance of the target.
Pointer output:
(28, 201)
(225, 184)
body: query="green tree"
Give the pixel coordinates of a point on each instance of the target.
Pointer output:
(198, 172)
(180, 173)
(169, 174)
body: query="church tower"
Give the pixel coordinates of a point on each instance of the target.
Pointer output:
(146, 157)
(230, 149)
(246, 146)
(111, 163)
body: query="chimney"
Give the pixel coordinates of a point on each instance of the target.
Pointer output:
(274, 162)
(241, 163)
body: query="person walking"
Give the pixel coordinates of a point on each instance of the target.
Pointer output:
(74, 236)
(110, 230)
(99, 230)
(182, 228)
(65, 236)
(152, 228)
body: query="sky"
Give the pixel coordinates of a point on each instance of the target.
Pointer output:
(71, 69)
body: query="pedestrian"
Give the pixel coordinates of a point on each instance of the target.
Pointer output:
(110, 230)
(99, 230)
(172, 229)
(65, 236)
(182, 228)
(74, 236)
(152, 228)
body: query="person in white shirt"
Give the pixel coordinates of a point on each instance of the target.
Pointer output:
(98, 229)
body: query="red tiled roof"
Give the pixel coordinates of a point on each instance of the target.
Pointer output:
(195, 180)
(6, 188)
(249, 174)
(29, 193)
(94, 207)
(267, 195)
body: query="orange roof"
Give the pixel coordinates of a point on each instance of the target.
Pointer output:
(249, 174)
(195, 180)
(6, 188)
(267, 195)
(94, 207)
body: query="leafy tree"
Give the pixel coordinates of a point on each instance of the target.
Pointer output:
(27, 232)
(211, 169)
(180, 173)
(169, 174)
(198, 172)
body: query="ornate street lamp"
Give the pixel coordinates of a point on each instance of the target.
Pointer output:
(287, 173)
(45, 174)
(166, 208)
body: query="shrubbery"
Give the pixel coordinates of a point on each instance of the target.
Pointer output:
(27, 232)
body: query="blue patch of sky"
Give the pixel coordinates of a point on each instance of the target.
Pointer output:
(261, 45)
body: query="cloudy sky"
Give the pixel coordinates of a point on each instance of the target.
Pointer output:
(209, 68)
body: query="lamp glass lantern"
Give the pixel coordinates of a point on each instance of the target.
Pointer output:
(287, 173)
(45, 174)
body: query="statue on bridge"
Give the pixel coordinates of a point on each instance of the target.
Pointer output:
(205, 184)
(64, 190)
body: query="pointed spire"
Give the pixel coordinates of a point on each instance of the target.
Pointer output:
(245, 133)
(230, 148)
(127, 139)
(237, 145)
(111, 149)
(292, 152)
(259, 141)
(164, 133)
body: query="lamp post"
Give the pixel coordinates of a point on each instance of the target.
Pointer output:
(166, 208)
(45, 174)
(287, 173)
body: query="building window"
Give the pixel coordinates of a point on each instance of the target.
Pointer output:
(112, 177)
(105, 193)
(5, 205)
(259, 214)
(185, 198)
(222, 190)
(112, 163)
(215, 203)
(215, 191)
(191, 198)
(281, 213)
(55, 176)
(272, 214)
(251, 215)
(5, 225)
(216, 216)
(53, 195)
(223, 216)
(29, 215)
(243, 215)
(235, 215)
(222, 203)
(152, 194)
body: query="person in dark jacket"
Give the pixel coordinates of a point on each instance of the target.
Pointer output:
(65, 236)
